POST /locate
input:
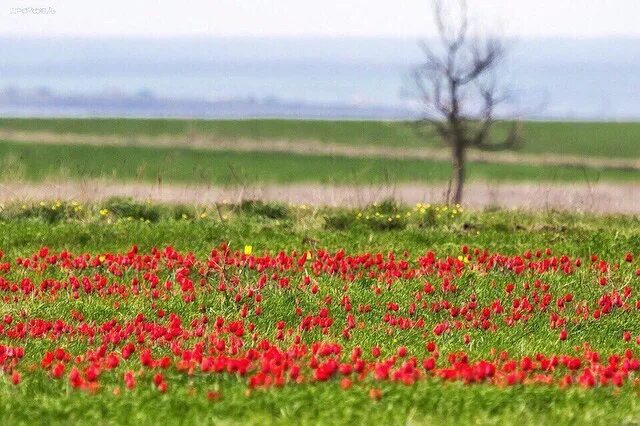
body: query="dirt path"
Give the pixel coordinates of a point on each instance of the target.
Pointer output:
(600, 198)
(311, 147)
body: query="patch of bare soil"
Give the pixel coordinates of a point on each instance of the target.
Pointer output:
(598, 198)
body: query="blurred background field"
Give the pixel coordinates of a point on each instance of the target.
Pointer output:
(162, 151)
(603, 139)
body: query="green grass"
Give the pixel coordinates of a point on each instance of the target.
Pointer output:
(26, 227)
(606, 139)
(39, 162)
(428, 402)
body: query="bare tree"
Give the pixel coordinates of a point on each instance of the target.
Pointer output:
(458, 90)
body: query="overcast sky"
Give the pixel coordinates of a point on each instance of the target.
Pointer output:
(385, 18)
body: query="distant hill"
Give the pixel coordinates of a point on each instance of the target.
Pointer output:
(285, 77)
(42, 103)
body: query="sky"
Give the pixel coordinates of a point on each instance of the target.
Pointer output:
(327, 18)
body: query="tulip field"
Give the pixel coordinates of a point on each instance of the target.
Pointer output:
(136, 313)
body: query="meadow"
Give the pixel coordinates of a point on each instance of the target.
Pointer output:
(123, 311)
(135, 313)
(39, 161)
(603, 139)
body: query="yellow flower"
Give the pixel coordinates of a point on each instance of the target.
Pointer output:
(104, 212)
(248, 249)
(203, 215)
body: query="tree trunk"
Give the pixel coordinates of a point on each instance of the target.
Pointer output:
(458, 172)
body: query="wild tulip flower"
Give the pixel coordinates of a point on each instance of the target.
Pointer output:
(375, 394)
(58, 370)
(213, 395)
(158, 379)
(129, 379)
(75, 378)
(563, 334)
(345, 383)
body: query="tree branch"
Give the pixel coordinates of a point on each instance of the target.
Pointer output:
(511, 141)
